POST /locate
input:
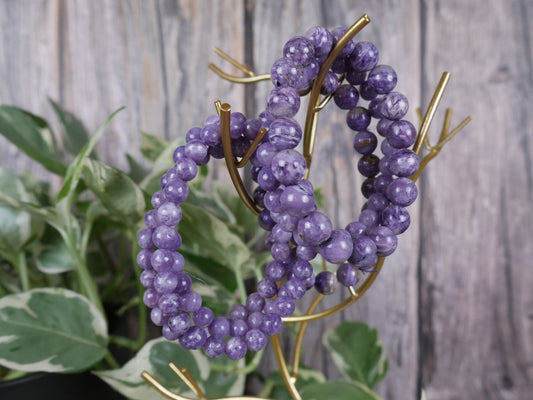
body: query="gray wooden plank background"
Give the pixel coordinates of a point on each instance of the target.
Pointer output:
(454, 305)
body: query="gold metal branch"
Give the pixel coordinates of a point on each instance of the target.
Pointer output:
(251, 78)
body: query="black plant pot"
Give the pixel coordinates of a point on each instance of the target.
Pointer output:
(44, 386)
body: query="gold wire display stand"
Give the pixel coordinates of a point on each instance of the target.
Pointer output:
(315, 105)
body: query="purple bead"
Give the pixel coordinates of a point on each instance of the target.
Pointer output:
(288, 166)
(267, 180)
(259, 197)
(165, 282)
(382, 79)
(299, 50)
(354, 77)
(382, 182)
(235, 348)
(186, 169)
(144, 239)
(210, 135)
(284, 133)
(281, 251)
(169, 214)
(325, 282)
(196, 150)
(158, 198)
(367, 187)
(322, 39)
(220, 327)
(330, 83)
(150, 219)
(296, 201)
(264, 153)
(265, 220)
(394, 106)
(350, 46)
(363, 247)
(271, 324)
(374, 108)
(307, 186)
(295, 288)
(214, 347)
(203, 317)
(338, 247)
(369, 218)
(179, 153)
(151, 297)
(396, 218)
(401, 134)
(310, 73)
(306, 253)
(178, 262)
(367, 92)
(255, 319)
(191, 301)
(216, 152)
(285, 306)
(365, 142)
(237, 121)
(377, 202)
(166, 237)
(346, 275)
(286, 74)
(272, 200)
(302, 269)
(386, 148)
(283, 102)
(403, 163)
(314, 228)
(279, 235)
(168, 333)
(157, 317)
(169, 303)
(176, 191)
(143, 259)
(385, 240)
(184, 283)
(364, 56)
(254, 172)
(255, 302)
(358, 119)
(193, 339)
(368, 165)
(252, 127)
(383, 126)
(238, 328)
(147, 278)
(179, 323)
(255, 339)
(346, 97)
(238, 311)
(287, 222)
(402, 191)
(339, 65)
(275, 271)
(267, 288)
(356, 229)
(240, 146)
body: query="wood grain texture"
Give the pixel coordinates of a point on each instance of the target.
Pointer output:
(454, 305)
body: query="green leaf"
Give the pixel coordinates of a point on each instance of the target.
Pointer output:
(75, 134)
(137, 171)
(275, 388)
(207, 269)
(15, 226)
(51, 254)
(339, 390)
(152, 146)
(154, 358)
(115, 189)
(32, 135)
(357, 352)
(50, 329)
(73, 173)
(245, 221)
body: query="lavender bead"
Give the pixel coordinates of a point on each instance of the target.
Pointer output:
(288, 222)
(214, 347)
(296, 201)
(306, 253)
(191, 301)
(179, 323)
(184, 283)
(346, 97)
(239, 146)
(254, 303)
(166, 237)
(338, 247)
(364, 57)
(255, 320)
(322, 39)
(151, 297)
(401, 134)
(288, 166)
(339, 65)
(238, 311)
(147, 279)
(150, 219)
(365, 142)
(158, 198)
(196, 150)
(157, 317)
(186, 169)
(176, 191)
(168, 333)
(143, 259)
(367, 92)
(356, 229)
(259, 196)
(383, 126)
(354, 77)
(179, 154)
(279, 235)
(272, 200)
(382, 79)
(194, 338)
(314, 228)
(286, 74)
(165, 282)
(350, 46)
(326, 283)
(169, 214)
(220, 327)
(358, 119)
(210, 135)
(402, 191)
(281, 251)
(386, 148)
(267, 180)
(396, 218)
(252, 128)
(302, 269)
(284, 133)
(377, 202)
(369, 218)
(346, 275)
(299, 50)
(403, 163)
(385, 240)
(271, 324)
(283, 102)
(178, 262)
(382, 182)
(285, 306)
(267, 288)
(310, 73)
(203, 317)
(144, 239)
(363, 248)
(367, 187)
(275, 271)
(295, 288)
(265, 220)
(169, 303)
(235, 348)
(238, 328)
(368, 165)
(255, 339)
(264, 153)
(330, 83)
(394, 106)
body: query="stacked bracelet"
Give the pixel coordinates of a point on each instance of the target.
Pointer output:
(297, 231)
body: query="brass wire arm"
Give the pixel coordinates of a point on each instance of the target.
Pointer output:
(315, 105)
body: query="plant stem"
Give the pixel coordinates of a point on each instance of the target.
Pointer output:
(251, 366)
(111, 361)
(240, 283)
(22, 267)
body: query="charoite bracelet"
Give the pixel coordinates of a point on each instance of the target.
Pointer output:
(297, 230)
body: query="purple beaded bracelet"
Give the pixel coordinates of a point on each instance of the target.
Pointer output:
(297, 231)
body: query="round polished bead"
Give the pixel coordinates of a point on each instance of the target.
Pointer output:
(275, 270)
(284, 133)
(285, 306)
(179, 153)
(283, 102)
(281, 251)
(358, 119)
(338, 247)
(302, 269)
(354, 77)
(150, 219)
(363, 247)
(165, 282)
(382, 182)
(169, 214)
(158, 198)
(238, 328)
(157, 317)
(383, 126)
(287, 222)
(169, 303)
(196, 150)
(396, 218)
(267, 180)
(220, 327)
(365, 142)
(288, 166)
(367, 187)
(285, 73)
(295, 288)
(385, 240)
(147, 278)
(296, 201)
(168, 333)
(310, 73)
(178, 262)
(264, 153)
(272, 200)
(176, 191)
(180, 323)
(255, 339)
(267, 288)
(369, 218)
(191, 301)
(382, 79)
(403, 163)
(214, 347)
(203, 317)
(238, 311)
(143, 259)
(279, 235)
(325, 282)
(144, 239)
(252, 127)
(271, 324)
(151, 297)
(346, 97)
(377, 202)
(306, 253)
(349, 48)
(401, 134)
(330, 83)
(367, 92)
(364, 57)
(184, 283)
(259, 196)
(236, 348)
(368, 165)
(355, 229)
(394, 106)
(346, 275)
(166, 237)
(314, 228)
(254, 302)
(299, 50)
(402, 191)
(210, 135)
(322, 39)
(255, 319)
(194, 338)
(186, 169)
